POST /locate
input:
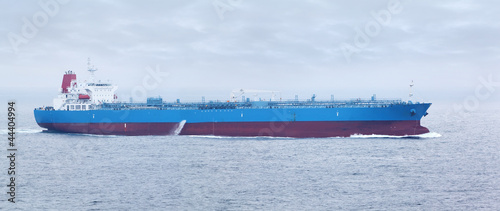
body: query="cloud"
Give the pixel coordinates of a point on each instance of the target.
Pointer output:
(258, 44)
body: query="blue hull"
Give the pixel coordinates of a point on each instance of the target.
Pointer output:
(396, 119)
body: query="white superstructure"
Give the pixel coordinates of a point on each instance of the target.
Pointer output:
(78, 95)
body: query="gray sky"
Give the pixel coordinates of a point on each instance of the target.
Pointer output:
(211, 47)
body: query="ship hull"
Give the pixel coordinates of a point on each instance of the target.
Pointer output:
(274, 129)
(301, 123)
(130, 129)
(306, 129)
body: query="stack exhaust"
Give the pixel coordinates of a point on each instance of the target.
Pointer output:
(66, 82)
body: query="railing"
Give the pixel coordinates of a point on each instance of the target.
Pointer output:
(353, 103)
(252, 105)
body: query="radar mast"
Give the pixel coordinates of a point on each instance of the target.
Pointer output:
(411, 89)
(91, 69)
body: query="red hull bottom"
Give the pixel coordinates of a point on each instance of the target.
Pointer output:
(132, 129)
(275, 129)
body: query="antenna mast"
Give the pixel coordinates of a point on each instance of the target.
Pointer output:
(91, 69)
(411, 89)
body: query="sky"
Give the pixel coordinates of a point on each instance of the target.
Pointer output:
(189, 49)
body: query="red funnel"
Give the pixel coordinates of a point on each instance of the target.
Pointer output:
(67, 78)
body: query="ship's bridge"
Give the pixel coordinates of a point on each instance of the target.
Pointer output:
(101, 92)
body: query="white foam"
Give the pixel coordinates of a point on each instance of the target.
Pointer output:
(22, 131)
(238, 137)
(179, 127)
(93, 135)
(425, 135)
(431, 135)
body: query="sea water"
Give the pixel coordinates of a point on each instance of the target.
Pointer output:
(455, 167)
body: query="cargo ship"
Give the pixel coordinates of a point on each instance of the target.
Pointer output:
(92, 107)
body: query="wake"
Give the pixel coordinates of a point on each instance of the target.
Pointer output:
(21, 131)
(423, 136)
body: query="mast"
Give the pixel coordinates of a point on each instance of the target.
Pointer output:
(91, 69)
(411, 90)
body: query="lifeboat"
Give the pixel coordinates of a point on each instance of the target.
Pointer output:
(83, 97)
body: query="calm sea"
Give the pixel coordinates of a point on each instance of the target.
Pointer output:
(456, 167)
